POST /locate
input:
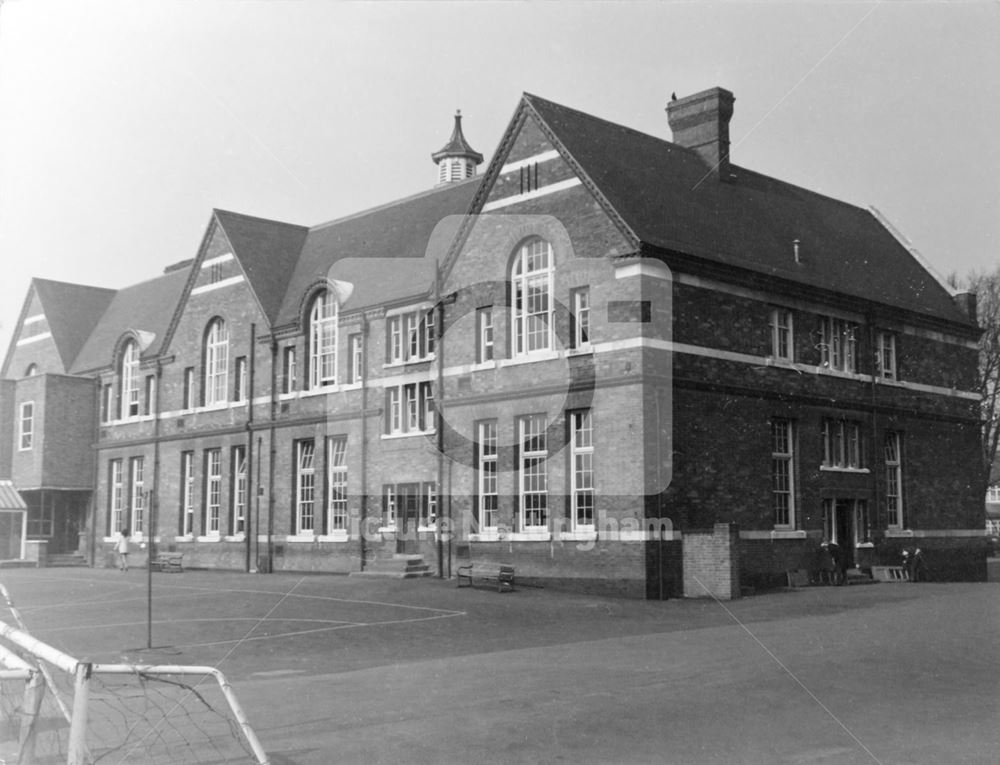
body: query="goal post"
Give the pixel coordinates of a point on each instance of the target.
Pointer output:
(142, 713)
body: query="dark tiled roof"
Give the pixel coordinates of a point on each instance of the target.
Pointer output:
(144, 307)
(404, 229)
(72, 312)
(268, 251)
(662, 193)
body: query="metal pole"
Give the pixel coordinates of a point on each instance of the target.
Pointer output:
(77, 746)
(149, 573)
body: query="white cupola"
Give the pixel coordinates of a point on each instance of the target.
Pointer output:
(457, 160)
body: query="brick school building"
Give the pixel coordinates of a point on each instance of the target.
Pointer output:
(619, 363)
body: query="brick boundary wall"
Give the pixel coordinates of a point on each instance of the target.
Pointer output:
(711, 561)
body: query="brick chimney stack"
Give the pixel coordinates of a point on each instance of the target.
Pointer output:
(701, 122)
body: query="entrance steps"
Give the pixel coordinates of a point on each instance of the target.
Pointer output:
(65, 560)
(857, 576)
(399, 566)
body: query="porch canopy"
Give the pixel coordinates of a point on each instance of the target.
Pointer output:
(13, 522)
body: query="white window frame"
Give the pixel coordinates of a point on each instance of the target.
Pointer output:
(488, 475)
(840, 344)
(394, 339)
(240, 392)
(130, 380)
(213, 492)
(26, 426)
(355, 350)
(188, 390)
(389, 510)
(583, 496)
(885, 356)
(533, 473)
(782, 334)
(409, 409)
(187, 492)
(107, 403)
(323, 340)
(485, 335)
(843, 444)
(532, 324)
(428, 505)
(216, 363)
(150, 407)
(116, 495)
(137, 512)
(581, 318)
(336, 471)
(993, 494)
(893, 480)
(305, 487)
(289, 371)
(239, 498)
(783, 473)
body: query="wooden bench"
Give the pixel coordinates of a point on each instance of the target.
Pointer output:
(168, 562)
(503, 575)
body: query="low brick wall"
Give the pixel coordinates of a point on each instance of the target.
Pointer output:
(711, 561)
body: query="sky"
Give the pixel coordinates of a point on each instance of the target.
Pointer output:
(123, 124)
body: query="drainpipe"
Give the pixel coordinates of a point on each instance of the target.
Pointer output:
(878, 509)
(249, 530)
(273, 447)
(92, 511)
(364, 435)
(439, 421)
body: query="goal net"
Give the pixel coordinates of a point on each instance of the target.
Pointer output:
(58, 709)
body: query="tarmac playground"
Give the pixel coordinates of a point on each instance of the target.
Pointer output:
(333, 669)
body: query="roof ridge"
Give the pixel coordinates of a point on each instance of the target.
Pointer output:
(396, 202)
(672, 144)
(618, 125)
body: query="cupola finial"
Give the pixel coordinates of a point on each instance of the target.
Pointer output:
(457, 160)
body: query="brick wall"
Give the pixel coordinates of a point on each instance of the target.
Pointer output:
(711, 562)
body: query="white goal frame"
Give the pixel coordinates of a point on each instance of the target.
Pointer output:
(16, 668)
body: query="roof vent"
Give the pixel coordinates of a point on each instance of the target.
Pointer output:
(701, 122)
(457, 160)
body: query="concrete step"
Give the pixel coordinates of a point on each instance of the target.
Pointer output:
(857, 576)
(397, 567)
(65, 560)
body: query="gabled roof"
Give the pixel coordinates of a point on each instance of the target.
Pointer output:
(72, 311)
(146, 307)
(402, 229)
(665, 194)
(268, 251)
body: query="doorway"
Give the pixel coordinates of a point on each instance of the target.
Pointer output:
(408, 518)
(845, 522)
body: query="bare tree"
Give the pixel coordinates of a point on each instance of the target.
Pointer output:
(987, 288)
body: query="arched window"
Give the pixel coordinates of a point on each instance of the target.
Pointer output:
(129, 380)
(531, 292)
(323, 340)
(31, 371)
(216, 362)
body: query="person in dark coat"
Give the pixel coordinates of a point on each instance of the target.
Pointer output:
(919, 566)
(839, 563)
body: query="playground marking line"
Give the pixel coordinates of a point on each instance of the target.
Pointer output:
(161, 597)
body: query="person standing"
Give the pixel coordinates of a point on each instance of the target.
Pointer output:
(122, 548)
